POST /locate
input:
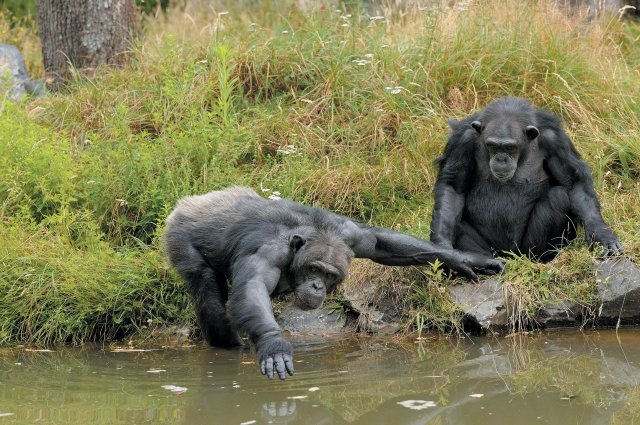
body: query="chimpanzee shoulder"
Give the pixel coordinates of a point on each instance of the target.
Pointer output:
(553, 139)
(456, 164)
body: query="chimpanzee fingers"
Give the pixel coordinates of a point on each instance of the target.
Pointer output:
(267, 367)
(495, 266)
(278, 361)
(609, 249)
(467, 272)
(614, 248)
(288, 363)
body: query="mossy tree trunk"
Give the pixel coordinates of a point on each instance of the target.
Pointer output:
(84, 33)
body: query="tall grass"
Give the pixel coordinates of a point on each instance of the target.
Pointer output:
(334, 108)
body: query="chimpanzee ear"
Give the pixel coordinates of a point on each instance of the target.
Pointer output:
(477, 126)
(532, 132)
(296, 242)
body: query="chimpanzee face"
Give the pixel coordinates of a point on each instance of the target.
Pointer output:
(313, 283)
(505, 141)
(319, 265)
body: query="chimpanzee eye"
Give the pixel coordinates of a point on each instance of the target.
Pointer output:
(313, 269)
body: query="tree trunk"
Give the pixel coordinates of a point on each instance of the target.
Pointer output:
(84, 33)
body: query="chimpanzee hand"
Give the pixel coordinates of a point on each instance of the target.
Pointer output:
(607, 238)
(276, 353)
(465, 262)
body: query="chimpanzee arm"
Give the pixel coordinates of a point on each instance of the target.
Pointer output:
(567, 167)
(254, 278)
(456, 167)
(392, 248)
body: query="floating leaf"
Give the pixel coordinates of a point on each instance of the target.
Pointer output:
(417, 404)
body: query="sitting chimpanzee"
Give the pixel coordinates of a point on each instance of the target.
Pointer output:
(265, 247)
(511, 180)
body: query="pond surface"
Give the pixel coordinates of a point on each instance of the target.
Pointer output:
(548, 378)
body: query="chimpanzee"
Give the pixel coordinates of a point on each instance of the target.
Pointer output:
(264, 247)
(511, 180)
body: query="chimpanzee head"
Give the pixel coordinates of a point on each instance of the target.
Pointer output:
(321, 261)
(506, 127)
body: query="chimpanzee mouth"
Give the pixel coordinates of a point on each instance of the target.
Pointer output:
(504, 177)
(308, 303)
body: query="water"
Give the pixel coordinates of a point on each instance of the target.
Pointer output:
(549, 378)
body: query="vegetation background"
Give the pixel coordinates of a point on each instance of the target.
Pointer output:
(338, 105)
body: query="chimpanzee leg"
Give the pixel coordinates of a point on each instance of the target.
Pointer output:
(208, 289)
(210, 298)
(468, 239)
(550, 226)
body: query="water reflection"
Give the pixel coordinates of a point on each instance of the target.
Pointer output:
(550, 378)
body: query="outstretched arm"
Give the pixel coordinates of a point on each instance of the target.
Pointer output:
(392, 248)
(254, 278)
(569, 170)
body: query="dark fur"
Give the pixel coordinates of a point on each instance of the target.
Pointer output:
(265, 247)
(532, 212)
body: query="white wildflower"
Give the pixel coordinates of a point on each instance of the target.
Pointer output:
(288, 150)
(394, 90)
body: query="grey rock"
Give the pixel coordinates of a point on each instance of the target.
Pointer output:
(376, 322)
(562, 314)
(321, 321)
(376, 315)
(618, 282)
(14, 78)
(484, 304)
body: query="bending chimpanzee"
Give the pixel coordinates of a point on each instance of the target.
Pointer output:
(511, 180)
(266, 247)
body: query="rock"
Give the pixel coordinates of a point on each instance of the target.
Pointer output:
(376, 322)
(618, 282)
(562, 314)
(321, 321)
(172, 335)
(377, 315)
(14, 78)
(484, 304)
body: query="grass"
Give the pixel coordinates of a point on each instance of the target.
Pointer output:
(331, 108)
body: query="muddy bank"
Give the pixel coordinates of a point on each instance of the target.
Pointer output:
(487, 306)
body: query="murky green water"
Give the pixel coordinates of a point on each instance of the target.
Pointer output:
(551, 378)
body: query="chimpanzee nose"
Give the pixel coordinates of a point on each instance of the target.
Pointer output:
(318, 285)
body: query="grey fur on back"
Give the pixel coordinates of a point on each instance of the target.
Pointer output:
(201, 220)
(199, 207)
